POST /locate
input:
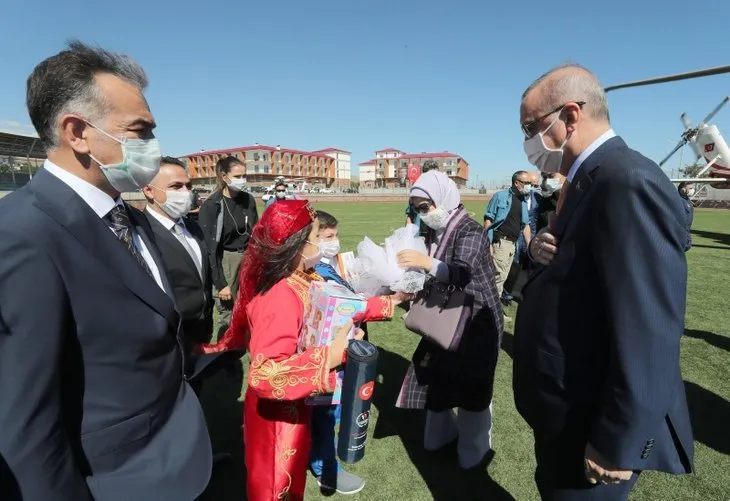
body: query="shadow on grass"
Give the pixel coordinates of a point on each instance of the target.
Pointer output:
(440, 470)
(710, 416)
(508, 344)
(224, 415)
(720, 238)
(715, 340)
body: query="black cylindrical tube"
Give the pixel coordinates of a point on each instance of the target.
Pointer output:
(357, 391)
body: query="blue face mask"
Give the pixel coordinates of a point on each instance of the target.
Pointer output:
(139, 166)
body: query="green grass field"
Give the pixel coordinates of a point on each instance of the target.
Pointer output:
(397, 468)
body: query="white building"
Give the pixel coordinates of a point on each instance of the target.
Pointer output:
(367, 174)
(343, 169)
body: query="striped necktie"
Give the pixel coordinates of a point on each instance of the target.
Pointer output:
(119, 222)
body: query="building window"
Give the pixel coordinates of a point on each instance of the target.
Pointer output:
(286, 157)
(256, 156)
(256, 168)
(265, 157)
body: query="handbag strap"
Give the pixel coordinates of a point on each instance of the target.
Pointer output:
(449, 232)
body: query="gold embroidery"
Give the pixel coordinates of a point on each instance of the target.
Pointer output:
(388, 307)
(300, 283)
(288, 453)
(279, 375)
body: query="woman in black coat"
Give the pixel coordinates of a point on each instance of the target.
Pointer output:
(227, 217)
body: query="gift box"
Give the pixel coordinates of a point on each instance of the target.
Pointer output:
(331, 305)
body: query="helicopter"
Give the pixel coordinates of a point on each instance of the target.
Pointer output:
(705, 139)
(707, 142)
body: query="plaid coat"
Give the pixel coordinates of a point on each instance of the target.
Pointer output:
(437, 379)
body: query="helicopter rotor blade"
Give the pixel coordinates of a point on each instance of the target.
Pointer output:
(675, 150)
(685, 121)
(714, 112)
(718, 70)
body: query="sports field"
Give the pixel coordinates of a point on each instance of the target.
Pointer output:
(397, 468)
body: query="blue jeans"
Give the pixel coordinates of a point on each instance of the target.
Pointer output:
(323, 457)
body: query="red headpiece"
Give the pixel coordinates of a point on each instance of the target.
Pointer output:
(278, 222)
(286, 217)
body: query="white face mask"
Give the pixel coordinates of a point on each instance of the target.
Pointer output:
(436, 219)
(690, 192)
(329, 248)
(550, 186)
(311, 261)
(140, 163)
(544, 158)
(237, 183)
(178, 203)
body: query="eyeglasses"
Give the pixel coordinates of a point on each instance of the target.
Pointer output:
(423, 207)
(530, 128)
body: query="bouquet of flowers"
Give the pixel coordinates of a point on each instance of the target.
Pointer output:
(376, 267)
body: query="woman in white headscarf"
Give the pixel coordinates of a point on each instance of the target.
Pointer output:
(439, 380)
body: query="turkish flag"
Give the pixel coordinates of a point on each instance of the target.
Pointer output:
(414, 172)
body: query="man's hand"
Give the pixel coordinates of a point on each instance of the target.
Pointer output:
(414, 259)
(544, 247)
(225, 294)
(599, 471)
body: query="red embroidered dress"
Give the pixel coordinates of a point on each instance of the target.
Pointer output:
(276, 419)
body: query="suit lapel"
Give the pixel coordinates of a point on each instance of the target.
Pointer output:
(582, 182)
(167, 235)
(63, 205)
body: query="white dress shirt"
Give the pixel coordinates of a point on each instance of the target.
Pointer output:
(169, 224)
(101, 204)
(591, 148)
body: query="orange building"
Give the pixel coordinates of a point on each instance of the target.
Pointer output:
(390, 166)
(266, 163)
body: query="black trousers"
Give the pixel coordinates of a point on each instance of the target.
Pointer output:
(560, 473)
(517, 278)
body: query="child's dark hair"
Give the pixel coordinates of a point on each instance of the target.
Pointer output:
(326, 220)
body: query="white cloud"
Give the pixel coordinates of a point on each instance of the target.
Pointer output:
(13, 127)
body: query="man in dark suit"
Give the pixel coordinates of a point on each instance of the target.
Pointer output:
(597, 336)
(182, 247)
(94, 405)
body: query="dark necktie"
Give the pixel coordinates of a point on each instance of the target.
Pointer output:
(119, 221)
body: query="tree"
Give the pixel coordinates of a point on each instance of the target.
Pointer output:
(692, 170)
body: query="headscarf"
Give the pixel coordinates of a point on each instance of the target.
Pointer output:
(439, 188)
(279, 222)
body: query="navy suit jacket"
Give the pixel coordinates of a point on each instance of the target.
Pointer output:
(93, 403)
(597, 335)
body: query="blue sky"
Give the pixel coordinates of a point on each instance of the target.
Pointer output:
(418, 75)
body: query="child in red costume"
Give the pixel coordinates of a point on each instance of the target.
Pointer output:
(268, 318)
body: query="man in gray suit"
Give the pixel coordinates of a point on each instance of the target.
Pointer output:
(94, 405)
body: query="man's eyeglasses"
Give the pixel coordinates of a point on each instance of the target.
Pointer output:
(530, 128)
